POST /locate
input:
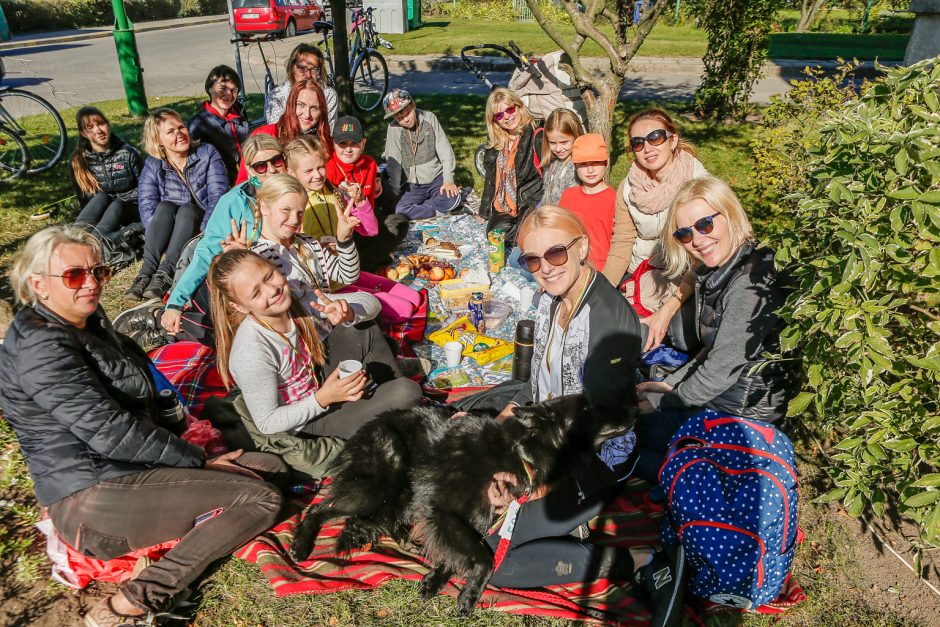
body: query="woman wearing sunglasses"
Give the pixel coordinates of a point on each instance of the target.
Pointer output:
(82, 401)
(663, 161)
(233, 220)
(587, 341)
(737, 294)
(512, 180)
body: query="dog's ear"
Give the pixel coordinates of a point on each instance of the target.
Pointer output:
(527, 415)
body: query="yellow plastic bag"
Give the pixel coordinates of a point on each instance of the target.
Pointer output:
(481, 348)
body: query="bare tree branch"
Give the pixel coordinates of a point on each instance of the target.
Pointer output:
(584, 25)
(646, 25)
(581, 75)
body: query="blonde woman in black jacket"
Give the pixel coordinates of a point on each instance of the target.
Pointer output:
(82, 402)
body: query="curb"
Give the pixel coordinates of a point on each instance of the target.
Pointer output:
(781, 68)
(102, 32)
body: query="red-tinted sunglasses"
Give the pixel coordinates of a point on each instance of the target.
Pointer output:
(260, 167)
(74, 278)
(499, 116)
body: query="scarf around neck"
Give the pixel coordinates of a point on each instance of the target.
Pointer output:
(650, 196)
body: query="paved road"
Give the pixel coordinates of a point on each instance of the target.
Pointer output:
(176, 62)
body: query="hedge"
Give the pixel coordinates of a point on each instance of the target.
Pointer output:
(26, 16)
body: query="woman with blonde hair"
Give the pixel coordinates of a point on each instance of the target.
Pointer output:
(304, 63)
(512, 182)
(663, 162)
(235, 219)
(83, 404)
(737, 293)
(179, 187)
(105, 171)
(587, 341)
(291, 357)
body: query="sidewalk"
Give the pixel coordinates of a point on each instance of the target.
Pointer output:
(30, 40)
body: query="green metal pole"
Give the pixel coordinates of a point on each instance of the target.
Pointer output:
(129, 59)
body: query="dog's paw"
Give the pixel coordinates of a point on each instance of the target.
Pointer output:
(356, 535)
(432, 583)
(301, 546)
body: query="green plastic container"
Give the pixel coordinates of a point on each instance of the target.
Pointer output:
(414, 14)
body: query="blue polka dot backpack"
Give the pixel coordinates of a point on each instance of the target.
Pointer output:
(731, 491)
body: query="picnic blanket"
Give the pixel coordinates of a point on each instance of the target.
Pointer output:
(631, 520)
(190, 367)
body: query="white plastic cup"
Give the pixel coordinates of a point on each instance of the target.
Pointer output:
(526, 298)
(453, 352)
(348, 367)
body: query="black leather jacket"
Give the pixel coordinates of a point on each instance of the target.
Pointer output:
(746, 384)
(117, 170)
(82, 404)
(528, 190)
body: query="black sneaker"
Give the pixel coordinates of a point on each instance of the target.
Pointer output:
(159, 286)
(139, 317)
(662, 583)
(149, 339)
(136, 291)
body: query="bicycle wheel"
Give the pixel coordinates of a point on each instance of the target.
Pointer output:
(369, 80)
(14, 157)
(38, 124)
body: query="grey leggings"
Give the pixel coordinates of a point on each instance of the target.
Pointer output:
(135, 511)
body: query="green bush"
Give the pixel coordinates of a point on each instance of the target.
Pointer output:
(26, 16)
(496, 11)
(865, 249)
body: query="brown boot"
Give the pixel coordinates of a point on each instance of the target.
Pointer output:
(103, 615)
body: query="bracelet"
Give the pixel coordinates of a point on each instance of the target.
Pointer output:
(676, 296)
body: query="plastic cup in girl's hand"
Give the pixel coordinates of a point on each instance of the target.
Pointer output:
(453, 352)
(349, 367)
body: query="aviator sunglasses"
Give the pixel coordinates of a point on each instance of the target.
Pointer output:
(262, 166)
(556, 255)
(497, 117)
(74, 278)
(655, 138)
(703, 225)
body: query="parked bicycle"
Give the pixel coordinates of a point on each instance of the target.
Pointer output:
(368, 68)
(32, 133)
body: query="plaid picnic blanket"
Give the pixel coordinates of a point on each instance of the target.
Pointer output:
(190, 367)
(631, 520)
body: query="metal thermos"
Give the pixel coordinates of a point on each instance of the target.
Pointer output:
(171, 414)
(522, 356)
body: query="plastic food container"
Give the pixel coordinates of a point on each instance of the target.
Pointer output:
(495, 312)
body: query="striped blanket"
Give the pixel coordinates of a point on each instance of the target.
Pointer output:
(630, 521)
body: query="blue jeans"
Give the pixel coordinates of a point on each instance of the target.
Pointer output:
(419, 201)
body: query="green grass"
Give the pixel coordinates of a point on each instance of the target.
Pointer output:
(447, 36)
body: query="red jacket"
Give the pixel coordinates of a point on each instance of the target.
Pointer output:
(362, 171)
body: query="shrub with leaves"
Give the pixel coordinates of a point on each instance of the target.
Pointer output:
(864, 249)
(738, 38)
(790, 127)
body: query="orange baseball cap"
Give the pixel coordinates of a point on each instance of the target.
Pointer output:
(589, 147)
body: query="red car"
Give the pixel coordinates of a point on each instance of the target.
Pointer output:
(287, 17)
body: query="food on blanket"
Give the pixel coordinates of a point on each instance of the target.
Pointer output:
(496, 243)
(437, 273)
(431, 241)
(430, 268)
(444, 378)
(392, 273)
(481, 348)
(463, 273)
(403, 270)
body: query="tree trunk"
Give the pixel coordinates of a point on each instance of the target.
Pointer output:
(809, 11)
(341, 56)
(600, 107)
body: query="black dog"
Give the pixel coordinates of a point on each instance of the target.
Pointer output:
(422, 467)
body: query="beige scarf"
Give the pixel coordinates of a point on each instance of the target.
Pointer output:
(651, 196)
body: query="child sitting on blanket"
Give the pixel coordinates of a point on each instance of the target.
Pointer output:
(419, 159)
(349, 169)
(306, 160)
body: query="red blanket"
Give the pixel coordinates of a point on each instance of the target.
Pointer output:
(631, 521)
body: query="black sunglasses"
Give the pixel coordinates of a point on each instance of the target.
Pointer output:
(74, 278)
(655, 138)
(703, 225)
(556, 255)
(260, 167)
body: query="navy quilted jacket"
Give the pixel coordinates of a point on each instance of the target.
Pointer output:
(205, 173)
